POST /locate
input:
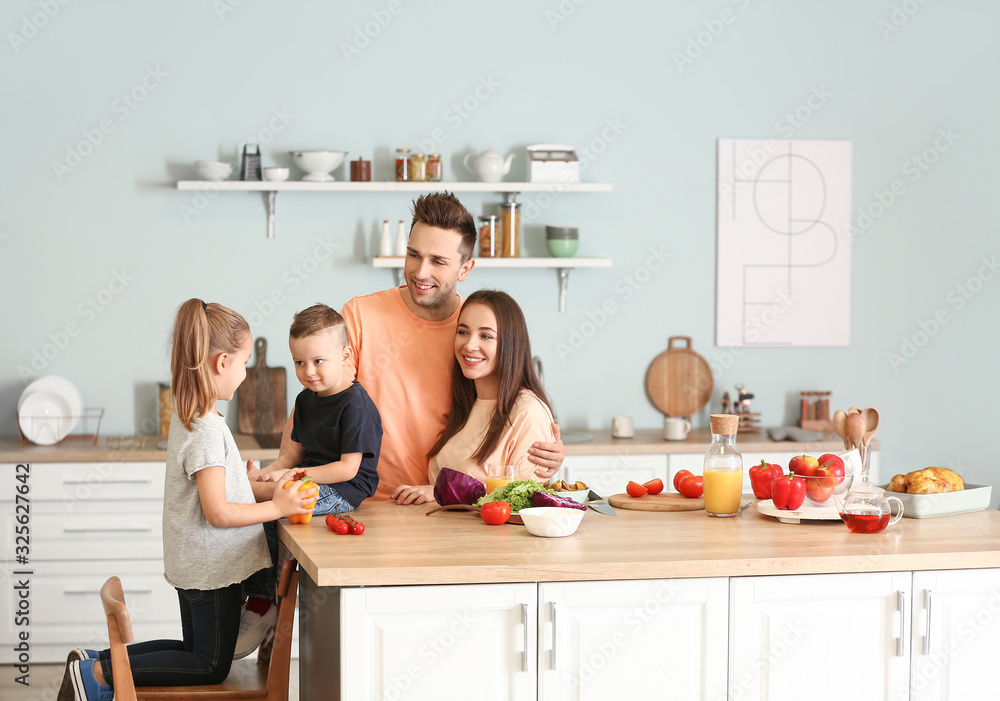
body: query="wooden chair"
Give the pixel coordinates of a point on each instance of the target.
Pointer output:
(248, 679)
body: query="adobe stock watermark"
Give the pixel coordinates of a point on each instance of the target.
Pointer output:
(122, 107)
(292, 279)
(433, 649)
(780, 646)
(913, 168)
(957, 298)
(564, 10)
(900, 15)
(713, 29)
(34, 23)
(86, 312)
(459, 112)
(225, 7)
(364, 34)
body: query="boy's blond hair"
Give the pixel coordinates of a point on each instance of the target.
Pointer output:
(316, 318)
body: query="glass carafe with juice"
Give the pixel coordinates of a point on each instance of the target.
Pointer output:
(723, 473)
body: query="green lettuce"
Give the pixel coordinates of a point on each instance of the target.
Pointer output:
(517, 494)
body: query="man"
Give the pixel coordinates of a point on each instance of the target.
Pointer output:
(402, 343)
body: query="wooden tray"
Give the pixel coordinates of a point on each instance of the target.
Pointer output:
(656, 502)
(514, 518)
(679, 381)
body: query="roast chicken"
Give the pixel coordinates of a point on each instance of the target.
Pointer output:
(930, 480)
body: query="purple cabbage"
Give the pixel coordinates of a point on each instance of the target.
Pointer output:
(454, 487)
(546, 499)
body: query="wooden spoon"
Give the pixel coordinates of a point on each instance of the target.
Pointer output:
(854, 410)
(855, 429)
(840, 426)
(871, 424)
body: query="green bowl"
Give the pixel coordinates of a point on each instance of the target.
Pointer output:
(562, 248)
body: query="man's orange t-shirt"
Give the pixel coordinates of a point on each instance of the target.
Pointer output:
(405, 364)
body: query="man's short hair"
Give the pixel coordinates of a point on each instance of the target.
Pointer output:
(444, 211)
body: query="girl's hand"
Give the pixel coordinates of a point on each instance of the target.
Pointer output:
(291, 501)
(413, 494)
(547, 456)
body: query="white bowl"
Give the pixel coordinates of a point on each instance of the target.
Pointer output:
(213, 170)
(61, 386)
(318, 164)
(45, 417)
(551, 521)
(276, 174)
(579, 496)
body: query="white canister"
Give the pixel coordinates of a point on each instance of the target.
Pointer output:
(676, 428)
(622, 427)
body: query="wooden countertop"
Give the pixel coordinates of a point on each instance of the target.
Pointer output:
(403, 546)
(645, 442)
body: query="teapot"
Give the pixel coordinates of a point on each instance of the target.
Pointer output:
(490, 166)
(866, 509)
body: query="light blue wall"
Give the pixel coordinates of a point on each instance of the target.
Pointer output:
(219, 77)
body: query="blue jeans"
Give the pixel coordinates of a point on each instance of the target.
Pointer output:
(210, 624)
(330, 502)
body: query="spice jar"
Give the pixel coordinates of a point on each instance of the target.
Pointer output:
(510, 230)
(434, 168)
(402, 165)
(488, 231)
(418, 167)
(361, 170)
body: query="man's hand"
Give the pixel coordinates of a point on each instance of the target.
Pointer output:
(547, 456)
(253, 474)
(413, 494)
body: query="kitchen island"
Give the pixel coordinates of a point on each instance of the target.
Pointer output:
(695, 597)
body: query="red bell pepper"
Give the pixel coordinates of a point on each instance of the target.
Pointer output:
(788, 492)
(761, 477)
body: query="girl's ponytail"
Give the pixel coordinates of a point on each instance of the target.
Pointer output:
(201, 332)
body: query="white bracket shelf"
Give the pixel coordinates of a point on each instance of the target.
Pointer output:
(271, 189)
(561, 265)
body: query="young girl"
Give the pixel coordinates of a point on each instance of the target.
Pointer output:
(212, 538)
(498, 407)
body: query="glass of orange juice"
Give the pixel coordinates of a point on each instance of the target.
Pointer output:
(723, 491)
(498, 476)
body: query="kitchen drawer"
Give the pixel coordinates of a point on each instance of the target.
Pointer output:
(113, 530)
(71, 483)
(65, 607)
(608, 474)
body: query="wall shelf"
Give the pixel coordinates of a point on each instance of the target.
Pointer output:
(562, 266)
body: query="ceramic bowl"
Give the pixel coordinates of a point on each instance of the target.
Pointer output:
(276, 174)
(562, 248)
(551, 521)
(213, 170)
(45, 417)
(318, 164)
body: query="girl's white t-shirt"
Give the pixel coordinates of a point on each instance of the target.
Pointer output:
(196, 554)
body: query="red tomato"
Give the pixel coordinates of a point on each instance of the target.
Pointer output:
(635, 489)
(336, 524)
(495, 513)
(654, 486)
(357, 528)
(691, 486)
(679, 476)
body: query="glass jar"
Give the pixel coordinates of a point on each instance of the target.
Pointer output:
(418, 167)
(434, 168)
(488, 232)
(723, 472)
(402, 165)
(510, 230)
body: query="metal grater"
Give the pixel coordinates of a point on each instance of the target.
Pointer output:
(251, 163)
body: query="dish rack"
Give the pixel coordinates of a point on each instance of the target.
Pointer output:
(88, 424)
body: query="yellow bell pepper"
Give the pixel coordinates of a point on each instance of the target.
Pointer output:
(305, 483)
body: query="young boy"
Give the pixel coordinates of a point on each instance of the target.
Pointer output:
(336, 436)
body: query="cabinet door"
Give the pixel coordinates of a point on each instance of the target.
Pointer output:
(956, 634)
(655, 639)
(439, 642)
(608, 474)
(839, 636)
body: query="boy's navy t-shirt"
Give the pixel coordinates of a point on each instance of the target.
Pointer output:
(346, 422)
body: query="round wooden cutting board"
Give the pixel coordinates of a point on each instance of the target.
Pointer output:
(679, 380)
(656, 502)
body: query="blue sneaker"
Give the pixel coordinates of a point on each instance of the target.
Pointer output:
(85, 686)
(66, 688)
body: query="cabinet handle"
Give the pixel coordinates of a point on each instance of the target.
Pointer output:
(552, 651)
(927, 625)
(900, 605)
(123, 529)
(524, 626)
(95, 592)
(119, 481)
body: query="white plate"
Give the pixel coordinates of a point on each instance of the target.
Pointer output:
(807, 512)
(44, 417)
(64, 388)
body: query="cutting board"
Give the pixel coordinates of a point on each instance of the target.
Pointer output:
(260, 401)
(656, 502)
(679, 380)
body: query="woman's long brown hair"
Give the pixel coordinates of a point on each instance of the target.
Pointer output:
(514, 368)
(201, 332)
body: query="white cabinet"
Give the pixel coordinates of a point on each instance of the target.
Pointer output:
(956, 634)
(609, 474)
(843, 636)
(653, 639)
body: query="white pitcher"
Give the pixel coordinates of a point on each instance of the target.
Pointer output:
(490, 166)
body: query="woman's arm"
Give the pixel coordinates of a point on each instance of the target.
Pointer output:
(222, 513)
(547, 456)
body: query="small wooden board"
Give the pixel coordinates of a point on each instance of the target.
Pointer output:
(656, 502)
(679, 381)
(260, 400)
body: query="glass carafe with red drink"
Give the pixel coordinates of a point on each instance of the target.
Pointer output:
(867, 509)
